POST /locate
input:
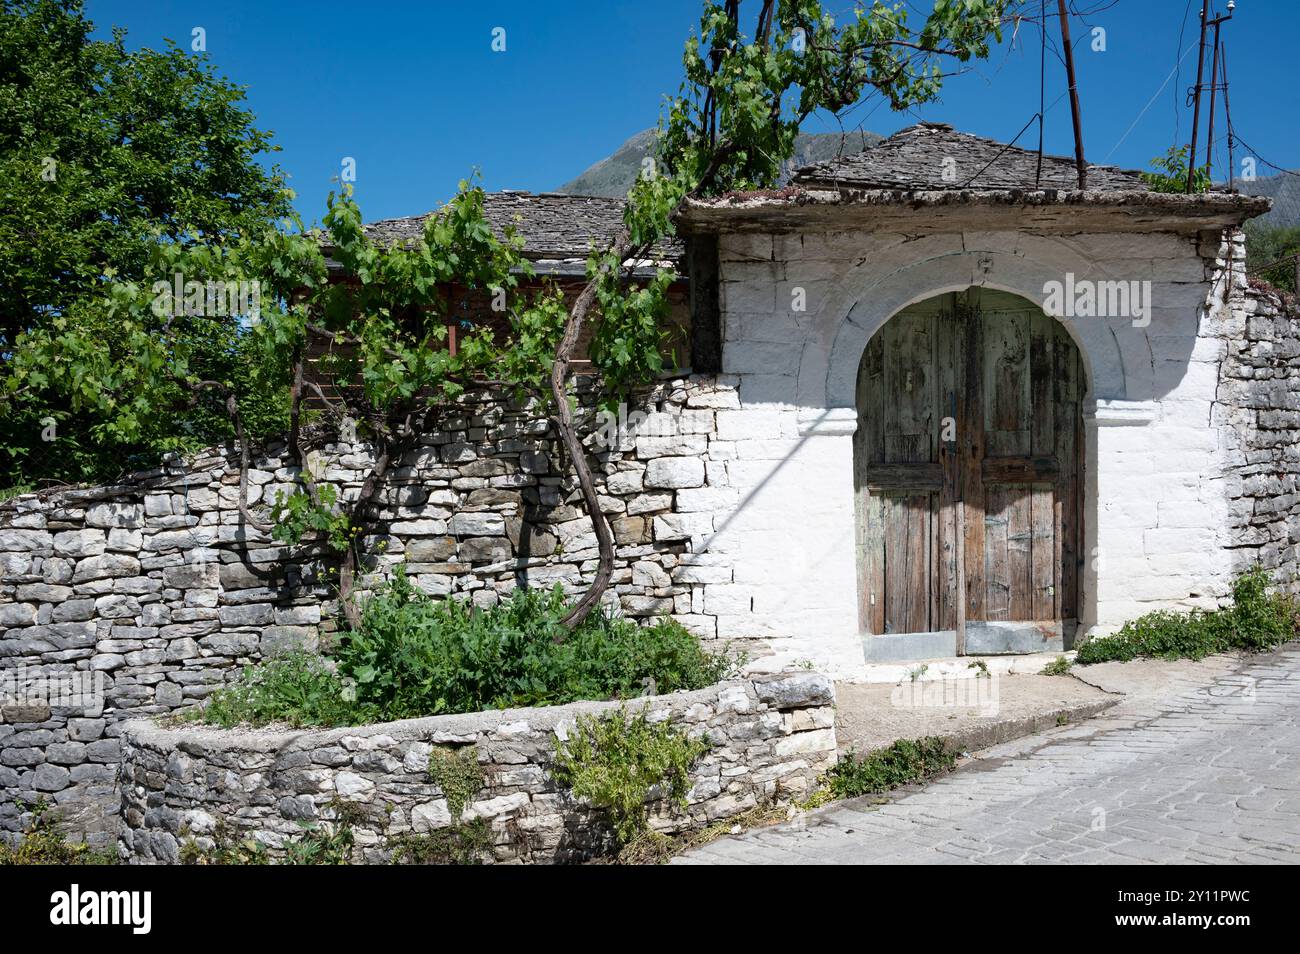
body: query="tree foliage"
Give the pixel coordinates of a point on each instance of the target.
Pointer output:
(1169, 173)
(384, 332)
(105, 153)
(1272, 252)
(730, 128)
(138, 349)
(744, 96)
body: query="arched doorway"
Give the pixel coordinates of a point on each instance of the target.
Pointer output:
(968, 476)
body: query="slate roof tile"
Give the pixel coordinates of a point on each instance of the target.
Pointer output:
(917, 158)
(554, 226)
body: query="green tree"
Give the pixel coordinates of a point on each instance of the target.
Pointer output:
(383, 334)
(731, 127)
(1271, 253)
(104, 153)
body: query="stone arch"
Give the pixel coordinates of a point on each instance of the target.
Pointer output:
(909, 524)
(862, 302)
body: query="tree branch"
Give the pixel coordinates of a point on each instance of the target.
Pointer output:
(245, 453)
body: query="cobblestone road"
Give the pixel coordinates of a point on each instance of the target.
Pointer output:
(1208, 772)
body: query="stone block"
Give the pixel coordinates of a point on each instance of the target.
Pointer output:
(80, 543)
(674, 472)
(529, 539)
(199, 575)
(253, 614)
(110, 515)
(682, 526)
(478, 525)
(280, 639)
(50, 778)
(485, 550)
(106, 566)
(796, 690)
(21, 614)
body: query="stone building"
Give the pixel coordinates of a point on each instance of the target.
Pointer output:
(981, 410)
(938, 401)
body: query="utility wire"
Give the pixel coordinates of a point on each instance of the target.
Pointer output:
(1255, 152)
(1150, 103)
(1003, 150)
(1177, 67)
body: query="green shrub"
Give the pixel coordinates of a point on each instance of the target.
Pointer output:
(457, 845)
(1163, 634)
(297, 687)
(1255, 621)
(1276, 248)
(1060, 666)
(228, 847)
(416, 656)
(1258, 620)
(1169, 173)
(459, 776)
(904, 762)
(614, 762)
(44, 843)
(321, 845)
(328, 843)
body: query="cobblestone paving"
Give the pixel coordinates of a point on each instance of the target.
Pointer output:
(1210, 773)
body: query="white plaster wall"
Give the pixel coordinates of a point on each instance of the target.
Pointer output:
(787, 538)
(1155, 514)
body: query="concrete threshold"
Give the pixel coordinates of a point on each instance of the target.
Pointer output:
(958, 666)
(969, 708)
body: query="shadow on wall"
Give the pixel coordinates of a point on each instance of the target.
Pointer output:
(1138, 350)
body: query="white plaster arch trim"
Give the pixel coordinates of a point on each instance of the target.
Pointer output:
(862, 306)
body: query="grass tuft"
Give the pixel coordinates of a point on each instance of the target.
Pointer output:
(903, 763)
(1255, 622)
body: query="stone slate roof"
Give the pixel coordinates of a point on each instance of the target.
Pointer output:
(914, 159)
(558, 230)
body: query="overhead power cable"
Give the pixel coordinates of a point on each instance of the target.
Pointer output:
(1255, 152)
(1150, 102)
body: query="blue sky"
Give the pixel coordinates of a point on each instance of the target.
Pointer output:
(415, 94)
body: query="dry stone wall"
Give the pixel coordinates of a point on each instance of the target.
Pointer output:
(149, 594)
(1258, 418)
(770, 739)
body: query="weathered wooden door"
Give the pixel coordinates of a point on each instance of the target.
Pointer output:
(967, 460)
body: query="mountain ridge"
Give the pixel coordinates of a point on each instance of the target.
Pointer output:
(613, 176)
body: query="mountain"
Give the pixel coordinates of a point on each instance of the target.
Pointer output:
(614, 175)
(1284, 190)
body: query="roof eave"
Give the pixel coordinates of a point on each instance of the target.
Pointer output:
(566, 268)
(826, 208)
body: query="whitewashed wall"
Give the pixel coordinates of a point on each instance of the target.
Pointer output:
(1155, 506)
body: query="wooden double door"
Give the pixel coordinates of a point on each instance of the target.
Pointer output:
(968, 474)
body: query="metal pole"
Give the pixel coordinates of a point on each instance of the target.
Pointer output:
(1042, 93)
(1227, 117)
(1196, 111)
(1214, 86)
(1074, 96)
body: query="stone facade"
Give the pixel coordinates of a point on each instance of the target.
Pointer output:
(771, 738)
(731, 496)
(1257, 416)
(798, 308)
(157, 592)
